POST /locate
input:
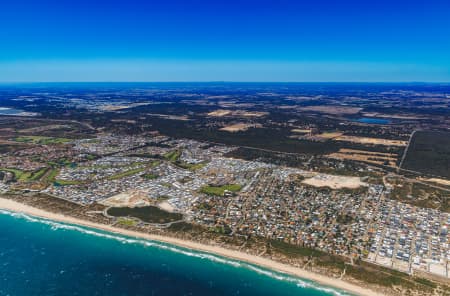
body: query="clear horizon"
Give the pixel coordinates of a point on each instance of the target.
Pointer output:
(240, 41)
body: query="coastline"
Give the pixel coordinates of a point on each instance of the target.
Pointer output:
(14, 206)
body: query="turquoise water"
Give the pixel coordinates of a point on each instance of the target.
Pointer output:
(42, 257)
(9, 111)
(372, 120)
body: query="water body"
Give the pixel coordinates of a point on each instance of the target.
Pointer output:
(42, 257)
(9, 111)
(373, 120)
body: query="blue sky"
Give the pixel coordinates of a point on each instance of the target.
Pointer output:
(246, 40)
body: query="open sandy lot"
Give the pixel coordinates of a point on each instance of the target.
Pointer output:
(166, 206)
(240, 127)
(366, 156)
(219, 113)
(127, 199)
(329, 135)
(373, 141)
(334, 182)
(236, 113)
(334, 110)
(301, 131)
(439, 181)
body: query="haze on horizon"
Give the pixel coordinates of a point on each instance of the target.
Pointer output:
(175, 40)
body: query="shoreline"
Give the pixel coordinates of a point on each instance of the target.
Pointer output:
(14, 206)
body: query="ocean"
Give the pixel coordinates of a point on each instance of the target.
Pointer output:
(9, 111)
(43, 257)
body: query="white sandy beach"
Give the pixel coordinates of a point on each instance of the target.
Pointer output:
(264, 262)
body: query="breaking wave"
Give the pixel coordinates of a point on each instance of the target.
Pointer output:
(180, 250)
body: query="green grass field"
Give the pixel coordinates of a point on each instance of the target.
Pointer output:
(37, 175)
(19, 175)
(149, 176)
(126, 222)
(220, 190)
(41, 140)
(26, 176)
(173, 155)
(51, 176)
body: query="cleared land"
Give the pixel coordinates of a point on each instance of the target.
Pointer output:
(389, 116)
(239, 127)
(334, 182)
(371, 141)
(329, 135)
(219, 113)
(121, 107)
(334, 110)
(236, 113)
(301, 131)
(379, 158)
(419, 194)
(45, 128)
(439, 181)
(127, 199)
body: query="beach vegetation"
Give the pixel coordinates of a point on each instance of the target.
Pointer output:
(126, 222)
(149, 214)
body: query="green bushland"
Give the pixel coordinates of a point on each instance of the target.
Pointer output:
(149, 214)
(220, 190)
(425, 282)
(429, 153)
(293, 250)
(221, 229)
(361, 270)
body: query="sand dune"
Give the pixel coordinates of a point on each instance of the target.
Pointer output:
(264, 262)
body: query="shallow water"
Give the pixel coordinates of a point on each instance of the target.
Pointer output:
(42, 257)
(9, 111)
